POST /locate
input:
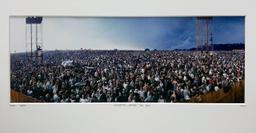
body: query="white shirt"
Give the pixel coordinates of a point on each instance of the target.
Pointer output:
(216, 88)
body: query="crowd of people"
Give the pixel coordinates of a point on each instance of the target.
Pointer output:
(125, 76)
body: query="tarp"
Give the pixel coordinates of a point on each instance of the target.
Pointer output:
(67, 63)
(34, 20)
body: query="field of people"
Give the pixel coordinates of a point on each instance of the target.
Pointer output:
(125, 76)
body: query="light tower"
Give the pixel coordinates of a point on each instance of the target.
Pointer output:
(204, 35)
(34, 38)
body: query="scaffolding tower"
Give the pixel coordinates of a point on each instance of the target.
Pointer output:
(34, 38)
(204, 36)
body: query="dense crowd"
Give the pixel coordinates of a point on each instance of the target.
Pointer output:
(126, 76)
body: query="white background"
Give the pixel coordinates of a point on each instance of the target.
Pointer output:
(153, 118)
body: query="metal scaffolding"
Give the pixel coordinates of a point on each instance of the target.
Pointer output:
(34, 38)
(204, 36)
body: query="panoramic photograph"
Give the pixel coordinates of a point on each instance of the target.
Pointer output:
(195, 59)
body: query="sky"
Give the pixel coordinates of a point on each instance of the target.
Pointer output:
(129, 33)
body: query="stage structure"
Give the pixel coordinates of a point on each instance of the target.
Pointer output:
(204, 36)
(34, 38)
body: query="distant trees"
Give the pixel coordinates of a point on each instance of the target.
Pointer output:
(147, 49)
(217, 47)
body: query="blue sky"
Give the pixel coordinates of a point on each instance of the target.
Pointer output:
(124, 33)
